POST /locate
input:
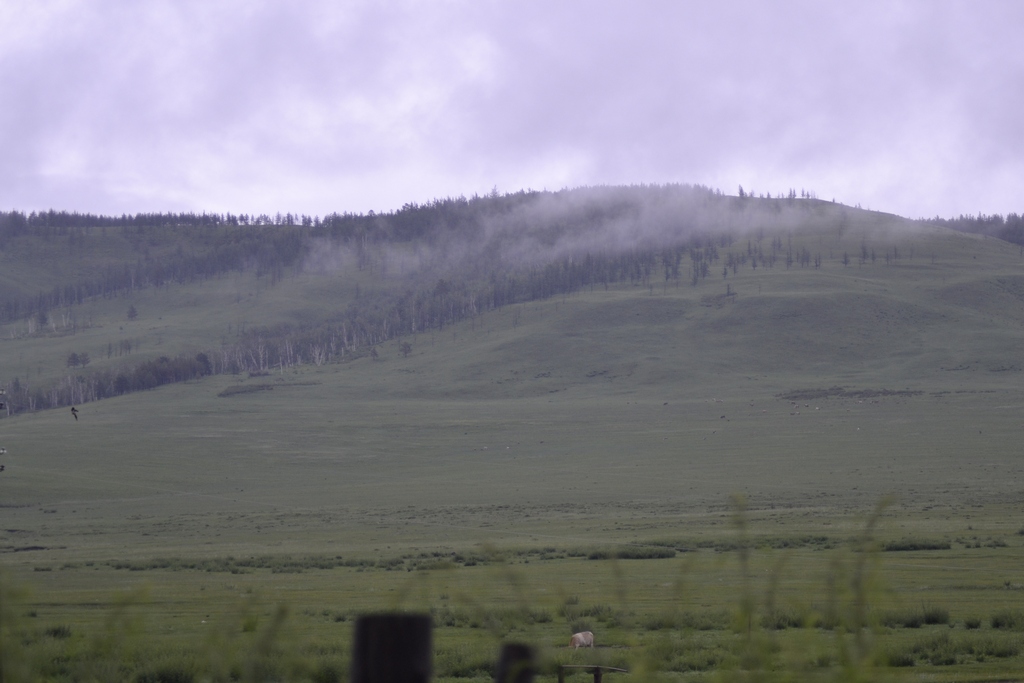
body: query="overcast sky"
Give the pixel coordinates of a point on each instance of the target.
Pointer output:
(314, 106)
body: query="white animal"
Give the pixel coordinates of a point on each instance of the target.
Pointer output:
(578, 640)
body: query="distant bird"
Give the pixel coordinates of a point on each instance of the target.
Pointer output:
(74, 411)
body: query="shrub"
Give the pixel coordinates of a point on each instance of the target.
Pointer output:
(825, 618)
(59, 632)
(580, 625)
(1012, 620)
(327, 673)
(697, 621)
(170, 674)
(779, 619)
(915, 544)
(915, 618)
(907, 619)
(899, 659)
(944, 649)
(935, 615)
(807, 541)
(428, 565)
(599, 612)
(458, 662)
(685, 656)
(994, 647)
(649, 552)
(661, 622)
(278, 564)
(940, 650)
(446, 616)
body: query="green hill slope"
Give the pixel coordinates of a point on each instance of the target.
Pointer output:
(819, 388)
(792, 284)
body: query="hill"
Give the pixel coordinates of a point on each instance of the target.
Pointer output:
(624, 356)
(254, 294)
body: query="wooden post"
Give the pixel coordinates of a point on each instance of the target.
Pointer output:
(392, 648)
(595, 669)
(515, 664)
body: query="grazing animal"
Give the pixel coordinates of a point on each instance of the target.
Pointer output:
(74, 411)
(584, 639)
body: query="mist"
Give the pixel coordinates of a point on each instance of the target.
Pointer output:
(497, 233)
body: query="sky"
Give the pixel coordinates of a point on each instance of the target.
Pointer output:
(319, 106)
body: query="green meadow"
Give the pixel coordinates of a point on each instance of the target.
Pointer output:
(789, 473)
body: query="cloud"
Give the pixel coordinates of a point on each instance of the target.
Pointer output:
(315, 106)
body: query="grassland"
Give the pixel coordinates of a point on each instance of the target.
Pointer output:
(476, 476)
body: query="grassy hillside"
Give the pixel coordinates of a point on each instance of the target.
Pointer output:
(806, 274)
(797, 380)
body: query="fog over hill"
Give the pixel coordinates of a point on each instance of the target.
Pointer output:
(525, 228)
(425, 267)
(533, 228)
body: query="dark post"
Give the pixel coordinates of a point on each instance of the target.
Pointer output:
(392, 648)
(515, 664)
